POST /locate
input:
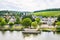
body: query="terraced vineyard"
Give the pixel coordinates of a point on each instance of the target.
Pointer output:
(47, 13)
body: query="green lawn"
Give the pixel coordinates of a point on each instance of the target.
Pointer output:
(47, 13)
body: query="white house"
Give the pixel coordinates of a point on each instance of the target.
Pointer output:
(12, 19)
(44, 20)
(48, 20)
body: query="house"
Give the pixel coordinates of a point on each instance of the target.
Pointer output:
(44, 20)
(34, 16)
(48, 20)
(12, 19)
(7, 16)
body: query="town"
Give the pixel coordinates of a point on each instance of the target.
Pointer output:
(27, 20)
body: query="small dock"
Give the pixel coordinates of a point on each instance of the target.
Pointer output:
(31, 31)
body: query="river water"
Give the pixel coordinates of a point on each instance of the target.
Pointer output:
(18, 35)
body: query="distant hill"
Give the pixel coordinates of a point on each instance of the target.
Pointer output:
(55, 9)
(3, 12)
(47, 12)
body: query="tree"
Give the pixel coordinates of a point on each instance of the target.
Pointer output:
(1, 19)
(26, 22)
(11, 24)
(58, 23)
(7, 20)
(28, 16)
(17, 20)
(38, 20)
(34, 24)
(58, 18)
(2, 22)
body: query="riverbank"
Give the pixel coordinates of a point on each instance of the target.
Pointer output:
(40, 29)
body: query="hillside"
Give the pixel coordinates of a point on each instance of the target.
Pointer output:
(48, 12)
(3, 12)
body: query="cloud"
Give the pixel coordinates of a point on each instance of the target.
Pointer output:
(28, 5)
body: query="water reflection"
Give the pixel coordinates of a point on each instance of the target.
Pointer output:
(44, 36)
(58, 33)
(27, 35)
(18, 35)
(3, 32)
(11, 36)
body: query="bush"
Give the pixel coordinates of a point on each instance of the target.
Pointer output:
(2, 22)
(11, 24)
(26, 22)
(58, 28)
(34, 24)
(7, 20)
(28, 16)
(38, 20)
(58, 18)
(57, 23)
(54, 23)
(17, 20)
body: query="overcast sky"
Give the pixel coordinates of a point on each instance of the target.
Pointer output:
(28, 5)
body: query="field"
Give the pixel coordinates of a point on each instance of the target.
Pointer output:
(47, 13)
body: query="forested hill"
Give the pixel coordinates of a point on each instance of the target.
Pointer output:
(48, 12)
(55, 9)
(2, 12)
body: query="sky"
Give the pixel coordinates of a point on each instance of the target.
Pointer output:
(28, 5)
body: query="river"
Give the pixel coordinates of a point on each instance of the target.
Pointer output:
(18, 35)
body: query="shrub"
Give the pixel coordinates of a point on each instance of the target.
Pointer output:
(2, 22)
(26, 22)
(28, 16)
(38, 20)
(11, 24)
(34, 24)
(58, 18)
(7, 20)
(57, 23)
(17, 20)
(58, 28)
